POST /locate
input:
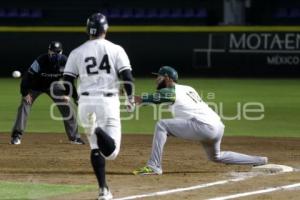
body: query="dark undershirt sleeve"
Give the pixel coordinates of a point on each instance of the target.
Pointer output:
(127, 77)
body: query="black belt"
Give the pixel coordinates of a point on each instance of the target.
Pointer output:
(104, 94)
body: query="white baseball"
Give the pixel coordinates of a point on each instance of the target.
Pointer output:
(16, 74)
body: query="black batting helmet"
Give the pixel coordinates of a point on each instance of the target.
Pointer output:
(96, 24)
(55, 46)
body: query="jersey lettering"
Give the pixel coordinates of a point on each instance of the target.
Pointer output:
(104, 65)
(194, 96)
(90, 67)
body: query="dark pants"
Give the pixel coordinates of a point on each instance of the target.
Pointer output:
(65, 109)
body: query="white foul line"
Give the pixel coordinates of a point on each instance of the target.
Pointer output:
(257, 192)
(183, 189)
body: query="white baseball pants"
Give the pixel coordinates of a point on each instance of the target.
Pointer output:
(192, 129)
(107, 110)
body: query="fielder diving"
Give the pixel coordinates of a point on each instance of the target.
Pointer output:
(193, 120)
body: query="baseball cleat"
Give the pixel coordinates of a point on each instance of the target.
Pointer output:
(105, 194)
(264, 161)
(146, 171)
(77, 141)
(15, 140)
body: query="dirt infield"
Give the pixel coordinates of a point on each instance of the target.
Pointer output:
(49, 158)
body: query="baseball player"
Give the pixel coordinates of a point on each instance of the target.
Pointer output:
(193, 120)
(98, 63)
(42, 77)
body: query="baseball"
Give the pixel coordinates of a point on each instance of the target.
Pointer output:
(16, 74)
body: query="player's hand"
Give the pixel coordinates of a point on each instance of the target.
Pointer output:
(28, 98)
(66, 98)
(138, 100)
(130, 104)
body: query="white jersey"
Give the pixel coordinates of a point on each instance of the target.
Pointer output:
(97, 63)
(188, 104)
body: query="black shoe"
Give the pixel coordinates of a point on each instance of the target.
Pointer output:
(77, 141)
(15, 140)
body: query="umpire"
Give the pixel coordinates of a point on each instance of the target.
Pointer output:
(40, 77)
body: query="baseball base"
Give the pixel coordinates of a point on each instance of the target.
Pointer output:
(272, 168)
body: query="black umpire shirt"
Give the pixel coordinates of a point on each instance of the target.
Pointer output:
(42, 73)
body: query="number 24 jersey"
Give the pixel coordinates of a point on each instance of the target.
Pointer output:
(97, 63)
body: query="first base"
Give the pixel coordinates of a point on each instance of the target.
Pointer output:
(272, 168)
